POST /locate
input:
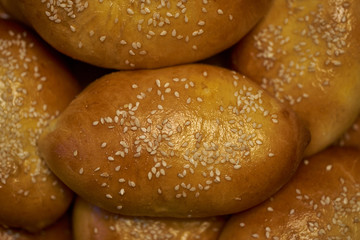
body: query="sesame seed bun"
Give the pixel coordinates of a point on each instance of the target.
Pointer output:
(193, 140)
(60, 230)
(91, 222)
(139, 34)
(34, 88)
(322, 201)
(307, 54)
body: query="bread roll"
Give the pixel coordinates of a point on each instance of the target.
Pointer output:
(307, 54)
(34, 88)
(91, 222)
(61, 230)
(322, 201)
(128, 34)
(167, 142)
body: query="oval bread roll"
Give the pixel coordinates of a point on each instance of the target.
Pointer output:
(322, 201)
(91, 222)
(167, 142)
(60, 230)
(307, 54)
(34, 88)
(128, 34)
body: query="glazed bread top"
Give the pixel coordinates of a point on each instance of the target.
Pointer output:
(307, 54)
(322, 201)
(34, 88)
(92, 223)
(193, 140)
(129, 34)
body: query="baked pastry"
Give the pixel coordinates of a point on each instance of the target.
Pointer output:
(322, 201)
(34, 88)
(166, 142)
(129, 34)
(60, 230)
(91, 222)
(307, 54)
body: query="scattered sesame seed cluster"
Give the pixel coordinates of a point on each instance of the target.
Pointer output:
(133, 34)
(307, 54)
(123, 138)
(169, 148)
(322, 202)
(34, 89)
(108, 225)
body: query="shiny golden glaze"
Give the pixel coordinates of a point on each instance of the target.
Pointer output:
(28, 102)
(322, 201)
(352, 136)
(306, 53)
(166, 142)
(129, 34)
(93, 223)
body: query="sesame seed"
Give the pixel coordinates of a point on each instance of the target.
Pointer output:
(102, 38)
(328, 168)
(255, 235)
(130, 11)
(131, 184)
(122, 192)
(274, 120)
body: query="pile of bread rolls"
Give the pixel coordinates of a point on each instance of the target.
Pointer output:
(160, 119)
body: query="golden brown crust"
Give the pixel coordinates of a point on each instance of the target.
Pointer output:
(167, 142)
(3, 14)
(61, 230)
(143, 34)
(93, 223)
(34, 88)
(307, 54)
(351, 138)
(322, 201)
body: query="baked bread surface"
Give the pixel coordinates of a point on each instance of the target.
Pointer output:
(306, 53)
(128, 34)
(92, 223)
(322, 201)
(186, 141)
(34, 88)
